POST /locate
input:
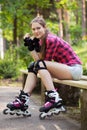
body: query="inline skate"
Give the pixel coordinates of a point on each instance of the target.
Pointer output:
(53, 105)
(19, 106)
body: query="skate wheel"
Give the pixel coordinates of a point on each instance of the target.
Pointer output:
(26, 114)
(5, 111)
(64, 109)
(12, 113)
(41, 116)
(57, 113)
(18, 114)
(50, 115)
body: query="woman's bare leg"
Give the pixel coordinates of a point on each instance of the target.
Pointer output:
(30, 83)
(56, 70)
(46, 79)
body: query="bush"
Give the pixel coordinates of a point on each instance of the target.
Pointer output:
(84, 71)
(7, 69)
(24, 56)
(81, 51)
(75, 32)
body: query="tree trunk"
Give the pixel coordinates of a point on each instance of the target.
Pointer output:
(42, 93)
(83, 19)
(59, 11)
(15, 31)
(66, 26)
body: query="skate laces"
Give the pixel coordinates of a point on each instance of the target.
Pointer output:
(54, 94)
(23, 98)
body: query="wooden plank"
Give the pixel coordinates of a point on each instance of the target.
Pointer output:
(79, 84)
(42, 93)
(24, 71)
(84, 110)
(84, 77)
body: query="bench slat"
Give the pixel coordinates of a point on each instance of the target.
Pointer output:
(24, 71)
(80, 84)
(84, 77)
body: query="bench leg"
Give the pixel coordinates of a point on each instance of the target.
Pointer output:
(42, 93)
(84, 110)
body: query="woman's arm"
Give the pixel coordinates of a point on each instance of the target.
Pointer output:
(34, 55)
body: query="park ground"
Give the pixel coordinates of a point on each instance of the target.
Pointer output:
(10, 89)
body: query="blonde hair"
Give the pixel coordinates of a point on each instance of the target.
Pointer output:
(42, 22)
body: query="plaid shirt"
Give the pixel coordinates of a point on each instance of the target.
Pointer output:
(60, 51)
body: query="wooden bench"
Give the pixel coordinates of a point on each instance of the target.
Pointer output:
(81, 84)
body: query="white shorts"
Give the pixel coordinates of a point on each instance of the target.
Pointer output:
(76, 71)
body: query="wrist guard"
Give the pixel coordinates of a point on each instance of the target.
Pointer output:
(29, 43)
(36, 45)
(32, 44)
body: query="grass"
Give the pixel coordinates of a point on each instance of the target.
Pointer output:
(10, 82)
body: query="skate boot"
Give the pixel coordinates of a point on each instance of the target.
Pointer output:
(19, 106)
(52, 106)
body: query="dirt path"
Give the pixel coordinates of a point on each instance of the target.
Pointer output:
(9, 122)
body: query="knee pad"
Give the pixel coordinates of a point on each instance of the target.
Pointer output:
(40, 64)
(31, 68)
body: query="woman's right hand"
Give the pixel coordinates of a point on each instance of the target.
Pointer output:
(30, 46)
(28, 41)
(27, 35)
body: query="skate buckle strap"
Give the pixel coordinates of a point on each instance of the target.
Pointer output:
(18, 100)
(48, 104)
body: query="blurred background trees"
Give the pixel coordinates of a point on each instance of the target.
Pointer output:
(66, 18)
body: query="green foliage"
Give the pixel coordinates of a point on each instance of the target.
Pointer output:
(7, 69)
(75, 32)
(23, 10)
(40, 4)
(53, 27)
(83, 56)
(15, 59)
(24, 56)
(67, 4)
(81, 50)
(20, 55)
(85, 71)
(10, 53)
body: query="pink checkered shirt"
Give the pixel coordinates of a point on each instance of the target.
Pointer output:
(60, 51)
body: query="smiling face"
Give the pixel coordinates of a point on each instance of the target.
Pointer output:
(38, 30)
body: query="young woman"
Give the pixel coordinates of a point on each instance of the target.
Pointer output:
(53, 57)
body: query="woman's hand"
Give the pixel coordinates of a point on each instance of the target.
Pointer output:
(27, 35)
(29, 42)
